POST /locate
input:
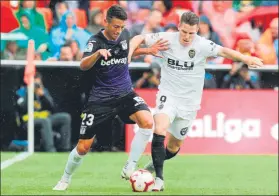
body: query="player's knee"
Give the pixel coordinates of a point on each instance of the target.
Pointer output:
(83, 148)
(173, 147)
(160, 130)
(146, 124)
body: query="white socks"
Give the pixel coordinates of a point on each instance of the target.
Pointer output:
(138, 145)
(74, 161)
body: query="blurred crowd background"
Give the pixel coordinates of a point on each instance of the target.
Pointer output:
(61, 28)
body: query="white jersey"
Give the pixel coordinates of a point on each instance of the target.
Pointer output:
(183, 68)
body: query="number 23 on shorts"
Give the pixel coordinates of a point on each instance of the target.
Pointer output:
(87, 119)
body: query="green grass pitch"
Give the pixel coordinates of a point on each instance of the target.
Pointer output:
(99, 174)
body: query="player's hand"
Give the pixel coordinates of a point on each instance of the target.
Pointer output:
(160, 45)
(253, 62)
(105, 53)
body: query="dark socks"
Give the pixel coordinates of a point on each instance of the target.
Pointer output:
(158, 154)
(169, 154)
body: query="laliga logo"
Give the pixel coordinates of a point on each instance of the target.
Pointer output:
(274, 131)
(232, 130)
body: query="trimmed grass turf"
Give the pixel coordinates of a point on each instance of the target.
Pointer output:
(8, 155)
(99, 174)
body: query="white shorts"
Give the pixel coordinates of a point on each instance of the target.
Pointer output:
(180, 120)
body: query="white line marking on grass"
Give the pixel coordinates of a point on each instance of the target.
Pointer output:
(15, 159)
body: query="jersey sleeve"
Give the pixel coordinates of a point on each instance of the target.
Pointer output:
(91, 47)
(209, 48)
(151, 38)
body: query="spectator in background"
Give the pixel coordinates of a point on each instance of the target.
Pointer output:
(246, 46)
(80, 4)
(143, 4)
(185, 5)
(223, 19)
(251, 28)
(36, 18)
(151, 25)
(66, 53)
(95, 21)
(149, 79)
(11, 52)
(77, 53)
(170, 27)
(133, 11)
(168, 11)
(40, 36)
(209, 80)
(58, 10)
(244, 5)
(239, 78)
(45, 118)
(68, 30)
(269, 3)
(267, 48)
(267, 43)
(38, 56)
(207, 31)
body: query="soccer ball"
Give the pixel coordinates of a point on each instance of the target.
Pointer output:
(141, 181)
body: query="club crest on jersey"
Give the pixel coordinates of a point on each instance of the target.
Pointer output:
(89, 47)
(192, 53)
(124, 45)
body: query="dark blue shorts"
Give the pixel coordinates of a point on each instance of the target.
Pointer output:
(95, 115)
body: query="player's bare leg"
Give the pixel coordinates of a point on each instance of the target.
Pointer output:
(145, 122)
(74, 160)
(162, 123)
(172, 149)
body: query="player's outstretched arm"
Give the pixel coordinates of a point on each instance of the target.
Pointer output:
(252, 62)
(135, 42)
(159, 45)
(89, 61)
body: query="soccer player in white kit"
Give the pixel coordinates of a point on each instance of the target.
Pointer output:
(181, 87)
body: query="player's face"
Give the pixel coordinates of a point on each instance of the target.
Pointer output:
(114, 27)
(187, 33)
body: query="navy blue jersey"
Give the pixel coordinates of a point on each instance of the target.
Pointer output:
(109, 78)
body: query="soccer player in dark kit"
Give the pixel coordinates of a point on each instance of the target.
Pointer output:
(111, 94)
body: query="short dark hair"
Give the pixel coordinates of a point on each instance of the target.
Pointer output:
(116, 11)
(67, 44)
(190, 18)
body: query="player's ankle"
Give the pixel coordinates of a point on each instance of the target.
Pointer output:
(131, 164)
(66, 177)
(160, 177)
